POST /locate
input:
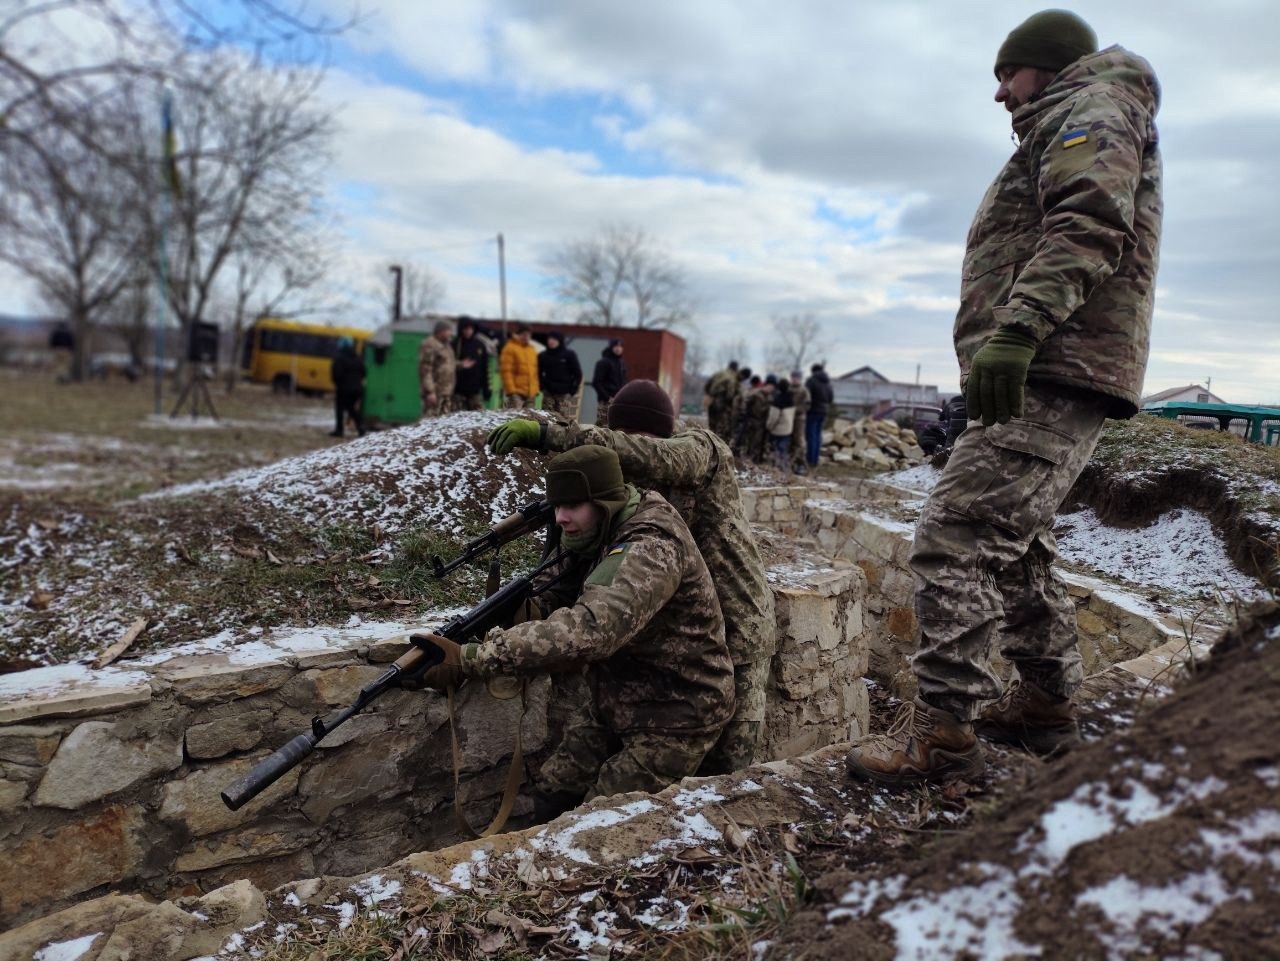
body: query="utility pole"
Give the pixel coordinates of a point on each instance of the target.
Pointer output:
(502, 283)
(395, 303)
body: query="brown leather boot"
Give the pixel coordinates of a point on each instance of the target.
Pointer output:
(923, 743)
(1030, 718)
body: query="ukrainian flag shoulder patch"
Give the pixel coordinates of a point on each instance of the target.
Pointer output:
(607, 569)
(1074, 138)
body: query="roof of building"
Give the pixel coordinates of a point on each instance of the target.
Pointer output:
(861, 374)
(1175, 391)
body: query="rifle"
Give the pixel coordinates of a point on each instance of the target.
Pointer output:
(526, 520)
(495, 609)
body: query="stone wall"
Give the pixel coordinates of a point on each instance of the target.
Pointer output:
(871, 525)
(110, 779)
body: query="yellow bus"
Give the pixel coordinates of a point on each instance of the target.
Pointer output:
(290, 355)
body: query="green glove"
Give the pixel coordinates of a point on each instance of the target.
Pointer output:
(998, 376)
(520, 432)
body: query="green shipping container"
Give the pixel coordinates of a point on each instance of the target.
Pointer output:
(391, 391)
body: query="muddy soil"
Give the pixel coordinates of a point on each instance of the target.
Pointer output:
(1160, 841)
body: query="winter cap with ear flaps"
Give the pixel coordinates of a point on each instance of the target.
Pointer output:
(587, 473)
(1048, 40)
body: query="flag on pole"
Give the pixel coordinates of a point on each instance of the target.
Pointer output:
(170, 168)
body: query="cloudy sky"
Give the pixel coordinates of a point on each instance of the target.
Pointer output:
(821, 157)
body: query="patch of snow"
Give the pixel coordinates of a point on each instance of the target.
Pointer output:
(346, 913)
(293, 900)
(1270, 776)
(1233, 838)
(463, 871)
(1137, 912)
(375, 889)
(862, 896)
(562, 842)
(697, 797)
(49, 682)
(66, 950)
(1179, 548)
(749, 785)
(922, 477)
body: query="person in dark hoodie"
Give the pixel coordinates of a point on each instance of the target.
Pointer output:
(820, 398)
(560, 375)
(608, 378)
(471, 388)
(1052, 336)
(348, 383)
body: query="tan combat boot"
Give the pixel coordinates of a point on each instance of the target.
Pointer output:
(1030, 718)
(923, 743)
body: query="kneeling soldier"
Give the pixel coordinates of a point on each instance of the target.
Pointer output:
(637, 606)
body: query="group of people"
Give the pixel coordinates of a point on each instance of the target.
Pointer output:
(454, 373)
(774, 420)
(663, 624)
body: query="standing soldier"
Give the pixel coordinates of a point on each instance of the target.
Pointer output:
(800, 395)
(608, 378)
(471, 385)
(1052, 336)
(747, 384)
(722, 390)
(560, 376)
(518, 365)
(755, 441)
(436, 367)
(638, 609)
(693, 469)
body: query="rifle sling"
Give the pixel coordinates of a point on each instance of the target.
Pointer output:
(515, 774)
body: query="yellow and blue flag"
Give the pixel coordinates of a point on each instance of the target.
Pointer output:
(1073, 138)
(170, 162)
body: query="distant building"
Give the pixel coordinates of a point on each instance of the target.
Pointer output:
(1192, 393)
(865, 392)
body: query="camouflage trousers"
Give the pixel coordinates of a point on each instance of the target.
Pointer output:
(720, 420)
(602, 412)
(565, 405)
(592, 760)
(515, 401)
(468, 401)
(735, 748)
(984, 550)
(442, 405)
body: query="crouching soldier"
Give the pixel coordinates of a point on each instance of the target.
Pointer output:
(693, 469)
(636, 605)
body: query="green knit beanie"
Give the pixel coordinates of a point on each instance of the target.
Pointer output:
(1049, 40)
(587, 473)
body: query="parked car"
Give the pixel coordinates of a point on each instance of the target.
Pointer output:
(917, 417)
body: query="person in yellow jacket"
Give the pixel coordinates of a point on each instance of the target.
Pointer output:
(518, 365)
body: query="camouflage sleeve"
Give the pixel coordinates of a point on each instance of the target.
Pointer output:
(621, 595)
(683, 460)
(1087, 170)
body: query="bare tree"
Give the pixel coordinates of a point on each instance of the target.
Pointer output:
(734, 349)
(251, 148)
(620, 277)
(68, 219)
(795, 337)
(424, 290)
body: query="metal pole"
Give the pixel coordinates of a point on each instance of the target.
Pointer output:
(395, 303)
(502, 282)
(162, 258)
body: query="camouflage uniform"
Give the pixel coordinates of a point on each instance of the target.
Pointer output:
(723, 389)
(694, 470)
(755, 438)
(1064, 250)
(643, 617)
(801, 395)
(563, 405)
(436, 369)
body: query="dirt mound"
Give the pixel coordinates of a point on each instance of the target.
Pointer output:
(309, 540)
(1145, 467)
(1160, 841)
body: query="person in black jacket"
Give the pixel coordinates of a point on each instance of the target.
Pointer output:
(608, 378)
(471, 388)
(348, 384)
(820, 398)
(560, 376)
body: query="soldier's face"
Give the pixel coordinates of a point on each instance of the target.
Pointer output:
(1019, 85)
(578, 518)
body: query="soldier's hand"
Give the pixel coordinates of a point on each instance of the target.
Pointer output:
(449, 672)
(997, 381)
(520, 432)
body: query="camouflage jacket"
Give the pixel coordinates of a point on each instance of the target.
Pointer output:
(694, 471)
(723, 388)
(436, 367)
(1065, 244)
(801, 395)
(644, 617)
